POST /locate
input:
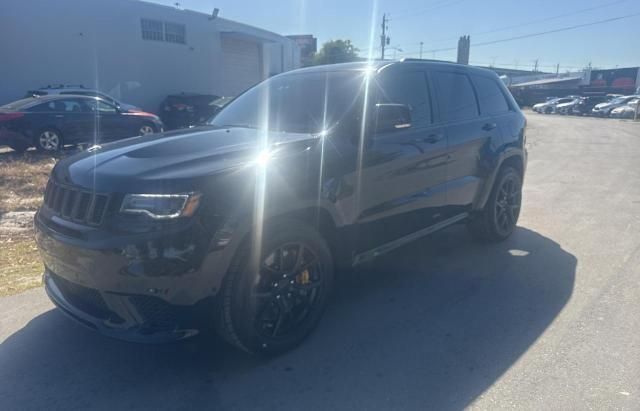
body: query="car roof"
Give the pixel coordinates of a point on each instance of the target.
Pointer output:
(50, 97)
(380, 64)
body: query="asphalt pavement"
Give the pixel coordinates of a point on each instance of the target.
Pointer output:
(550, 318)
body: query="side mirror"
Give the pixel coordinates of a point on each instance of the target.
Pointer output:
(392, 117)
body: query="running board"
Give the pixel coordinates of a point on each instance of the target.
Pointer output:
(392, 245)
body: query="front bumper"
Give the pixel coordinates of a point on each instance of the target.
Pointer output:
(125, 317)
(149, 287)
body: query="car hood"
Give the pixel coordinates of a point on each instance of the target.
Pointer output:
(571, 103)
(171, 161)
(605, 105)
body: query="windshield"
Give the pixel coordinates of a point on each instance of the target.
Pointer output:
(298, 103)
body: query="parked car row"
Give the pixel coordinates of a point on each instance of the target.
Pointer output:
(51, 117)
(612, 105)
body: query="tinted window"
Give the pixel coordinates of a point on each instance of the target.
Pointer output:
(57, 106)
(490, 96)
(456, 97)
(408, 88)
(97, 105)
(105, 108)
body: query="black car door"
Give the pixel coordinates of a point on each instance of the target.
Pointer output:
(66, 115)
(110, 125)
(403, 170)
(469, 134)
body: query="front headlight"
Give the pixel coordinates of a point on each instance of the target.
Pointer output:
(161, 206)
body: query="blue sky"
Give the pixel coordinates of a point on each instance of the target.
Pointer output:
(438, 23)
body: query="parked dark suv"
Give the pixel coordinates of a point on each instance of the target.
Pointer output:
(242, 223)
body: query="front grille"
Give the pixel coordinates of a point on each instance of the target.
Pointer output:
(75, 204)
(85, 299)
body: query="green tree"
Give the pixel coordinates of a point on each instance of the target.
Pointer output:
(336, 51)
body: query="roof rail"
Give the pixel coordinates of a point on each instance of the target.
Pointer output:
(432, 60)
(50, 86)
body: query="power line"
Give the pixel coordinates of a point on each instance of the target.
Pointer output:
(528, 23)
(540, 33)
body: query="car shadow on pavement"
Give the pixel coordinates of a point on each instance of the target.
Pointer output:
(431, 326)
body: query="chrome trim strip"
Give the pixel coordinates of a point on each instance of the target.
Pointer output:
(399, 242)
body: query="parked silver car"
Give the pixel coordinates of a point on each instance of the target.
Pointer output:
(549, 107)
(626, 111)
(604, 109)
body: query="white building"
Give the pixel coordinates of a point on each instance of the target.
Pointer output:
(136, 51)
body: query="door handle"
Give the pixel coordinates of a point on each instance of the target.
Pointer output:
(489, 126)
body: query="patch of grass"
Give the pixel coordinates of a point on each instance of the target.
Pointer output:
(20, 264)
(23, 179)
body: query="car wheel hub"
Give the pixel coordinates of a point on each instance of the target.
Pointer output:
(288, 288)
(49, 141)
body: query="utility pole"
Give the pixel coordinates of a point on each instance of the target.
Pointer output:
(535, 66)
(384, 39)
(421, 43)
(557, 69)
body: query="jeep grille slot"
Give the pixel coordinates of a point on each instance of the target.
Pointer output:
(74, 204)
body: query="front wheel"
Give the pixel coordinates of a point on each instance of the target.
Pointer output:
(272, 302)
(146, 129)
(500, 215)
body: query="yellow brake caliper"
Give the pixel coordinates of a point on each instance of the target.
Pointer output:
(303, 277)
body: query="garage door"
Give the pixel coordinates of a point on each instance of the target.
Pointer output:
(242, 64)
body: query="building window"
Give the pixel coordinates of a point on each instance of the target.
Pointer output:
(157, 30)
(175, 33)
(152, 30)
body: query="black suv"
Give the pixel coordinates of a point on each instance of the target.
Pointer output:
(241, 224)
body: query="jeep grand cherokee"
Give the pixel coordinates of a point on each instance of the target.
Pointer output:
(241, 223)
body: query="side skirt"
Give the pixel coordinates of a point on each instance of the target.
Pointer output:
(399, 242)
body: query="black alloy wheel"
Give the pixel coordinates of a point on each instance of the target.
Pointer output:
(507, 204)
(498, 219)
(270, 304)
(287, 290)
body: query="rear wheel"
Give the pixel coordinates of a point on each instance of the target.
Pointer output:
(49, 140)
(272, 305)
(500, 215)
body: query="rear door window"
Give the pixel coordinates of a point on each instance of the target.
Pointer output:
(409, 88)
(490, 96)
(456, 98)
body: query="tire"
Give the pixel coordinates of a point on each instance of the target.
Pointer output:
(48, 140)
(146, 128)
(266, 314)
(504, 202)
